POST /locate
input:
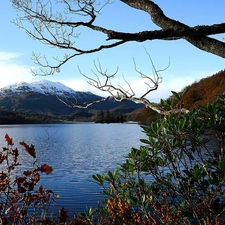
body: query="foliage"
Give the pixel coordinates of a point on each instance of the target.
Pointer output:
(21, 200)
(177, 176)
(205, 90)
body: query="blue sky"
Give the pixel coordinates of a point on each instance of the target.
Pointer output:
(187, 63)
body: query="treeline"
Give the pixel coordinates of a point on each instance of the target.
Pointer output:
(110, 117)
(79, 115)
(7, 117)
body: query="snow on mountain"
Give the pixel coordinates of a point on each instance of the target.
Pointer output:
(44, 87)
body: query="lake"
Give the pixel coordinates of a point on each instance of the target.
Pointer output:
(76, 151)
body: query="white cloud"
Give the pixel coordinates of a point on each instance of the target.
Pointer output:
(11, 71)
(165, 88)
(140, 88)
(7, 56)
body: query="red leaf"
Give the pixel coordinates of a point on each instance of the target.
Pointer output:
(41, 189)
(4, 221)
(21, 189)
(12, 217)
(29, 149)
(20, 179)
(8, 140)
(35, 177)
(63, 215)
(27, 173)
(46, 168)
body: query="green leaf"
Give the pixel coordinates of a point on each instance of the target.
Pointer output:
(160, 161)
(176, 95)
(145, 141)
(134, 199)
(98, 178)
(222, 165)
(198, 172)
(182, 123)
(188, 173)
(115, 173)
(110, 175)
(154, 127)
(163, 102)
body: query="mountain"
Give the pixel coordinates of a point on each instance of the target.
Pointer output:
(44, 87)
(43, 98)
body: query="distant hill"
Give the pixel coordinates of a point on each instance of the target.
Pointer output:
(42, 98)
(204, 91)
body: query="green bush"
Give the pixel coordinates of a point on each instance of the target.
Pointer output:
(177, 176)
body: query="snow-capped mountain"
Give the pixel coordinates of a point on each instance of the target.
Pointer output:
(43, 87)
(40, 97)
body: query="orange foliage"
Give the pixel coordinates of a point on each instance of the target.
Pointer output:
(29, 149)
(46, 169)
(8, 140)
(205, 91)
(18, 190)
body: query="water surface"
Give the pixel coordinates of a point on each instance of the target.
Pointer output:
(76, 151)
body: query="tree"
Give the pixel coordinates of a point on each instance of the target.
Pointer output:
(59, 29)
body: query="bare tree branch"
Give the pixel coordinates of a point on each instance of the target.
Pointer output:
(119, 93)
(197, 36)
(60, 28)
(83, 105)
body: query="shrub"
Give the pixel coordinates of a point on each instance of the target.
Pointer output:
(177, 176)
(22, 201)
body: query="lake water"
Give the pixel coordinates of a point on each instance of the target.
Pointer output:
(76, 151)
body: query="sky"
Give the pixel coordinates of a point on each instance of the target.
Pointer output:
(187, 63)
